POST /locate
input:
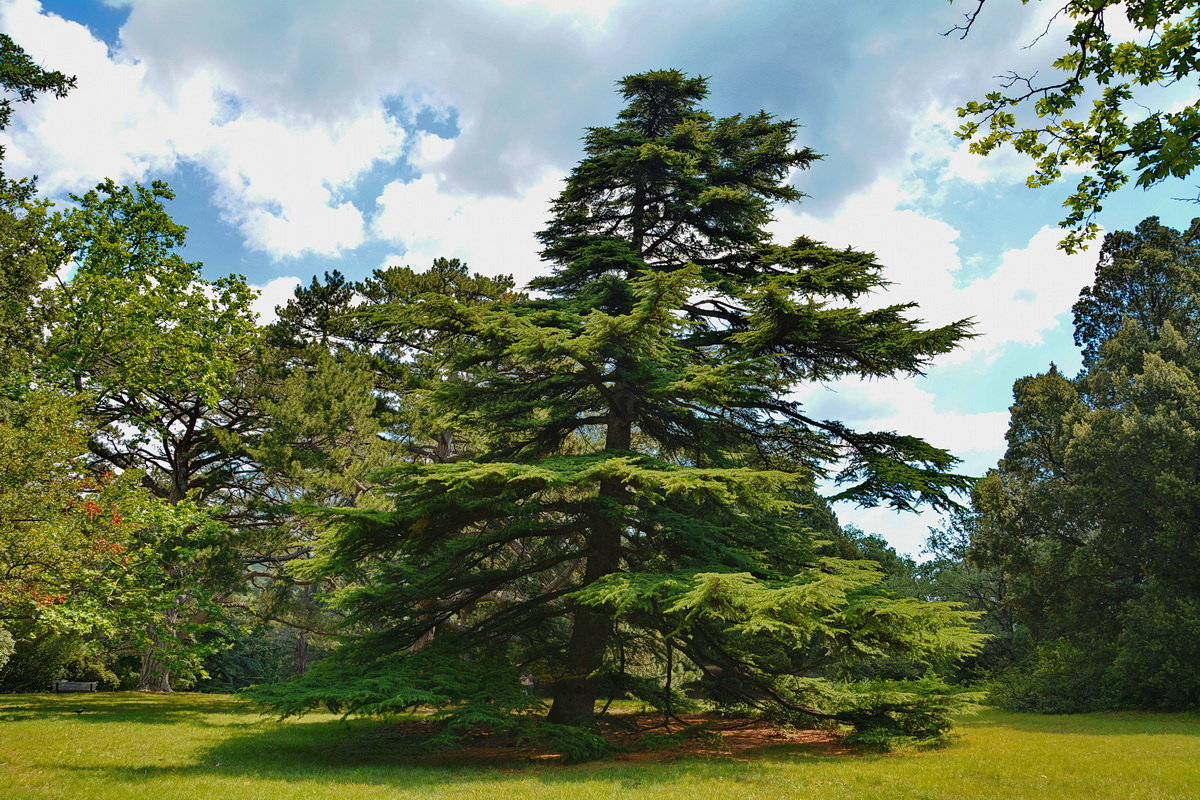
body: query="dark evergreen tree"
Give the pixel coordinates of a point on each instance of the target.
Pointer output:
(1150, 275)
(636, 464)
(1091, 516)
(332, 380)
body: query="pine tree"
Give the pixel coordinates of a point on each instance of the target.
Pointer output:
(631, 494)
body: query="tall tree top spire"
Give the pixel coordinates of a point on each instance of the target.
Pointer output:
(669, 185)
(659, 100)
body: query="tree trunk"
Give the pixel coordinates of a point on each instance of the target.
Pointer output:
(300, 654)
(575, 693)
(155, 676)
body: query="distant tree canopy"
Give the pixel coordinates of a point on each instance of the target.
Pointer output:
(1149, 276)
(1098, 111)
(1093, 514)
(620, 487)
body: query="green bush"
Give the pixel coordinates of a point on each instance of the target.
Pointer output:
(1152, 663)
(893, 714)
(576, 744)
(36, 663)
(1157, 662)
(1058, 678)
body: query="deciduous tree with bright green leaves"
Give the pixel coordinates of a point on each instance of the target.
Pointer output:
(64, 531)
(1097, 111)
(636, 464)
(161, 360)
(121, 383)
(27, 254)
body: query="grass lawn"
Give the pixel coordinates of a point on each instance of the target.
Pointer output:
(209, 747)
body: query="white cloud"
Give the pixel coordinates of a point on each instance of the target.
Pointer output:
(1018, 303)
(1024, 299)
(902, 405)
(108, 126)
(279, 179)
(505, 69)
(274, 293)
(905, 531)
(492, 235)
(934, 145)
(282, 101)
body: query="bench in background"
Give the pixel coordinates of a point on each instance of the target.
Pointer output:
(74, 686)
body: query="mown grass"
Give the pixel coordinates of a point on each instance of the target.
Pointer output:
(197, 747)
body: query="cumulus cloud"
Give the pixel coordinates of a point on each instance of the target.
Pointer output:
(511, 71)
(1018, 303)
(273, 294)
(493, 235)
(279, 180)
(900, 404)
(903, 405)
(107, 127)
(1016, 307)
(282, 100)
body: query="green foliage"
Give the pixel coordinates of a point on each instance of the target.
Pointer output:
(790, 639)
(144, 370)
(618, 475)
(133, 298)
(834, 605)
(186, 561)
(1058, 677)
(950, 575)
(65, 532)
(27, 254)
(892, 714)
(28, 257)
(6, 647)
(575, 744)
(470, 686)
(1091, 515)
(1149, 275)
(41, 656)
(181, 422)
(1097, 112)
(1157, 661)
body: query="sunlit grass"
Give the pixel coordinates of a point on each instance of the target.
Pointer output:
(197, 747)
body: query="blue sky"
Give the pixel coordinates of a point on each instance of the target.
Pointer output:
(306, 135)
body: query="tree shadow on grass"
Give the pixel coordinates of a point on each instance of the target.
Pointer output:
(117, 707)
(364, 752)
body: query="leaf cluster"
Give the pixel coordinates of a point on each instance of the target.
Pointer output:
(1092, 114)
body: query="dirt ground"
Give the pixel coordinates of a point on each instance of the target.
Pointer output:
(646, 737)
